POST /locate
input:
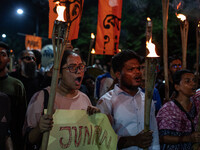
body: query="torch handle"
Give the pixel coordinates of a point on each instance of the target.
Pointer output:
(52, 95)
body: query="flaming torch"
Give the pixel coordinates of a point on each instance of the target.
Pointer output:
(93, 54)
(90, 48)
(197, 52)
(150, 76)
(148, 30)
(59, 39)
(184, 26)
(197, 145)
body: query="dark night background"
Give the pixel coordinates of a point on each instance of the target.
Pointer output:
(132, 36)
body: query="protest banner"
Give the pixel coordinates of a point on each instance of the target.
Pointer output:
(33, 42)
(74, 129)
(108, 27)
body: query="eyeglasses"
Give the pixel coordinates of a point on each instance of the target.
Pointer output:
(176, 66)
(74, 68)
(28, 58)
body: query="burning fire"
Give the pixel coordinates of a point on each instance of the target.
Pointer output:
(93, 51)
(178, 6)
(148, 19)
(151, 47)
(60, 10)
(92, 36)
(181, 17)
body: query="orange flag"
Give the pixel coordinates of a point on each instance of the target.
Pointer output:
(74, 9)
(108, 27)
(33, 42)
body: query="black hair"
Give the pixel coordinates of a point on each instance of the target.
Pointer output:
(4, 45)
(172, 58)
(119, 59)
(177, 77)
(66, 54)
(22, 53)
(38, 56)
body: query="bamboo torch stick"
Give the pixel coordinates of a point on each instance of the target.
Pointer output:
(59, 38)
(197, 52)
(165, 8)
(196, 145)
(184, 26)
(90, 48)
(150, 76)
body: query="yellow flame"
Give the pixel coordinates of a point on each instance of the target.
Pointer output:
(60, 10)
(119, 50)
(92, 36)
(93, 51)
(181, 17)
(151, 47)
(148, 19)
(199, 24)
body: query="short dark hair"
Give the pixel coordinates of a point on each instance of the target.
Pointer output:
(178, 76)
(4, 45)
(22, 53)
(65, 56)
(119, 59)
(172, 58)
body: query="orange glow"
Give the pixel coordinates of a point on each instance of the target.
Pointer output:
(11, 51)
(60, 10)
(93, 51)
(119, 50)
(151, 47)
(199, 24)
(92, 36)
(181, 17)
(178, 6)
(148, 19)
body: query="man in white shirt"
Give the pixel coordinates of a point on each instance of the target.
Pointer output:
(124, 105)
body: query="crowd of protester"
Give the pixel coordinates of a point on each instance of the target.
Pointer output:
(117, 89)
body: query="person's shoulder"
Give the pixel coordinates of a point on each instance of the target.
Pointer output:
(107, 96)
(15, 81)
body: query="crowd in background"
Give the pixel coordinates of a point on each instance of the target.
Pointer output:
(115, 86)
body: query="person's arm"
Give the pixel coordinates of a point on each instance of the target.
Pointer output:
(8, 143)
(142, 140)
(45, 124)
(194, 137)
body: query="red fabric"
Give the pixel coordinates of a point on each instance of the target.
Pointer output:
(74, 18)
(108, 27)
(33, 42)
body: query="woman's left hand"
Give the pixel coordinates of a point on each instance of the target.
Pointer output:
(92, 110)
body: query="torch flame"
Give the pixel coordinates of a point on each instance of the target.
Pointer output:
(181, 17)
(148, 19)
(178, 6)
(60, 10)
(151, 47)
(92, 36)
(93, 51)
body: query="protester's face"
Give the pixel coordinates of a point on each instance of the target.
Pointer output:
(28, 64)
(175, 65)
(4, 59)
(72, 80)
(130, 76)
(187, 85)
